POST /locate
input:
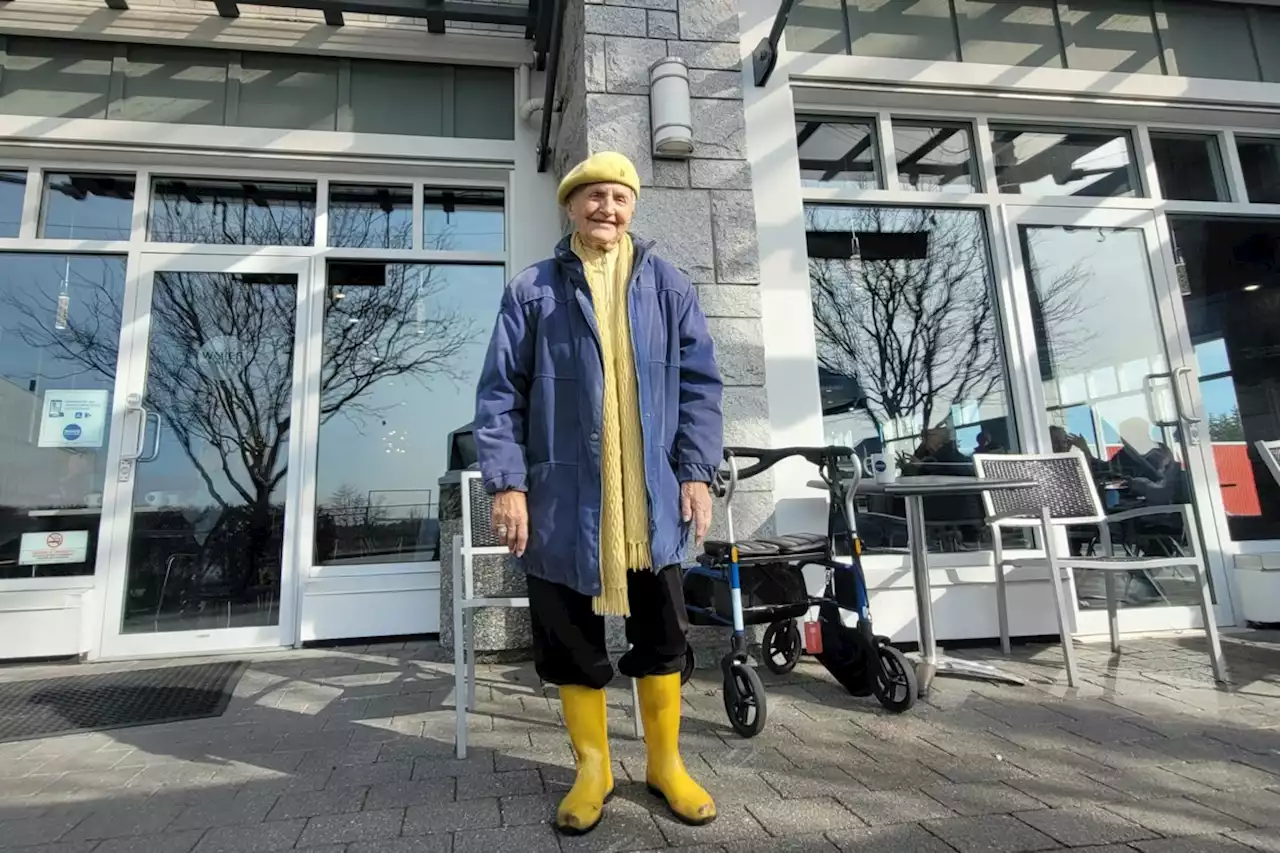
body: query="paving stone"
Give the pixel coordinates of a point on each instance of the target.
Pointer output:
(238, 810)
(792, 817)
(507, 839)
(313, 803)
(882, 776)
(451, 817)
(885, 807)
(529, 808)
(733, 824)
(1176, 816)
(1261, 840)
(793, 844)
(1225, 775)
(165, 842)
(1147, 783)
(974, 768)
(1068, 790)
(362, 776)
(480, 785)
(117, 822)
(436, 842)
(64, 847)
(346, 828)
(978, 798)
(1194, 844)
(990, 834)
(396, 795)
(802, 784)
(430, 769)
(895, 838)
(249, 839)
(627, 825)
(1259, 807)
(1090, 825)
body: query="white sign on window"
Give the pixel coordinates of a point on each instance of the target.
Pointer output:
(73, 419)
(57, 546)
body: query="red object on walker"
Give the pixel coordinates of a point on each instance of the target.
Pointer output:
(813, 638)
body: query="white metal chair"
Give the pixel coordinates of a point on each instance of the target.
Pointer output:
(478, 540)
(1065, 495)
(1270, 453)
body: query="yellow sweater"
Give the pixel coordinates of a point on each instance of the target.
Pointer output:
(624, 509)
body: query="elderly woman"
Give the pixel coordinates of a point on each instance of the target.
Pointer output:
(598, 429)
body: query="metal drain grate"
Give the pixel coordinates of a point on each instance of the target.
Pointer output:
(114, 700)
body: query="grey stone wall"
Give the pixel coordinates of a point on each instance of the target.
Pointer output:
(699, 211)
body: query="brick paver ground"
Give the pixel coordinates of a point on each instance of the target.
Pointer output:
(350, 751)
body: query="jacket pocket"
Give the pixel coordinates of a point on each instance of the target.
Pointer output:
(553, 512)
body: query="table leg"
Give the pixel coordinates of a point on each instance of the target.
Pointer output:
(931, 663)
(919, 547)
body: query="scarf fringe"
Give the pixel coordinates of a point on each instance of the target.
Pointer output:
(613, 600)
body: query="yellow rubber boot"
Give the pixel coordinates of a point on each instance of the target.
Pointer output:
(586, 717)
(665, 772)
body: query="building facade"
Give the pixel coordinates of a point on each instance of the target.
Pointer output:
(248, 264)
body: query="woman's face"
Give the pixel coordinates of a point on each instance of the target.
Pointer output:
(601, 213)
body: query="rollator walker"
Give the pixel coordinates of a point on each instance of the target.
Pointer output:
(760, 581)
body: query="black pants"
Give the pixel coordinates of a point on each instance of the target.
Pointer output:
(569, 642)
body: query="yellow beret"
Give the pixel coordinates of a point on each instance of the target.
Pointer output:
(607, 167)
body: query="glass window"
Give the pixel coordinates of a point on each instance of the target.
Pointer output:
(59, 336)
(1231, 296)
(1022, 32)
(1110, 35)
(484, 103)
(1266, 37)
(817, 26)
(363, 217)
(910, 360)
(82, 206)
(935, 157)
(234, 213)
(173, 84)
(380, 92)
(1066, 161)
(1260, 162)
(463, 220)
(287, 91)
(1208, 40)
(13, 189)
(837, 153)
(902, 29)
(55, 77)
(1189, 166)
(403, 347)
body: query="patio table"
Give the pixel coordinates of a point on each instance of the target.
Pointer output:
(913, 490)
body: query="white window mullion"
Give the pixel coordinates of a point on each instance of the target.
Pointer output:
(986, 157)
(322, 213)
(1147, 163)
(1235, 172)
(419, 216)
(887, 152)
(29, 226)
(141, 207)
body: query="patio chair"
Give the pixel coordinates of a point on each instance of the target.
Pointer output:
(477, 539)
(1270, 453)
(1065, 495)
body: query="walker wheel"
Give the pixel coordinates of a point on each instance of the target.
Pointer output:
(744, 700)
(690, 664)
(782, 646)
(895, 683)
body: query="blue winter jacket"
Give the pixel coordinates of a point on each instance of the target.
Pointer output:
(539, 408)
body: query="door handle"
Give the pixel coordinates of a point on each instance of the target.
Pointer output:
(151, 417)
(1185, 411)
(1151, 408)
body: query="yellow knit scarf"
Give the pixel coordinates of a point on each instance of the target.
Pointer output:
(624, 510)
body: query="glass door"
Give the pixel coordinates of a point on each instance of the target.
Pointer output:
(1115, 383)
(202, 545)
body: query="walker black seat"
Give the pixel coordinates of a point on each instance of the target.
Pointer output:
(791, 546)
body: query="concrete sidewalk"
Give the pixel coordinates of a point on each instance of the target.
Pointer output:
(350, 751)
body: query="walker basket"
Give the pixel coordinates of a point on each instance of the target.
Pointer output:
(770, 592)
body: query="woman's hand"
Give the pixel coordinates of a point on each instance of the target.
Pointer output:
(511, 520)
(695, 506)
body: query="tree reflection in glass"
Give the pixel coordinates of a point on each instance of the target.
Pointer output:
(909, 351)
